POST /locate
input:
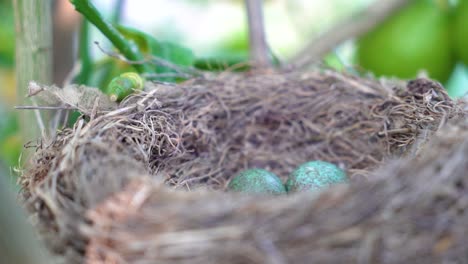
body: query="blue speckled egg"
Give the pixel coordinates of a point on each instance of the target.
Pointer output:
(257, 181)
(314, 176)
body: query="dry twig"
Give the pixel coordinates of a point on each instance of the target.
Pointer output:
(257, 39)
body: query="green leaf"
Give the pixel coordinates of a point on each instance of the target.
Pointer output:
(167, 51)
(88, 10)
(138, 38)
(173, 53)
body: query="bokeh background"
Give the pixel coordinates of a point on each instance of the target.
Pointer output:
(211, 28)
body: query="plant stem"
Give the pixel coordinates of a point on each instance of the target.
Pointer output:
(84, 54)
(33, 58)
(130, 51)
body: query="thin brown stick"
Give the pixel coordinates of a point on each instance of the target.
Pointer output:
(31, 107)
(257, 39)
(354, 26)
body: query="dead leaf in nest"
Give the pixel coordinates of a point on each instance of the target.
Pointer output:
(81, 97)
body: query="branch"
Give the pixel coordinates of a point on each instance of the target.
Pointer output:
(259, 52)
(354, 26)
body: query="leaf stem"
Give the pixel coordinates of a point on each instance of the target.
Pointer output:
(129, 50)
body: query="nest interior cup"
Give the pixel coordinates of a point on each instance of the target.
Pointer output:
(97, 190)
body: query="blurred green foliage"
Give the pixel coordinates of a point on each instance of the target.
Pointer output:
(7, 35)
(236, 45)
(457, 85)
(430, 35)
(416, 38)
(10, 141)
(460, 30)
(231, 51)
(10, 144)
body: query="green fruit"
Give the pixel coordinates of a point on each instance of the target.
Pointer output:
(123, 85)
(460, 31)
(416, 38)
(257, 181)
(315, 175)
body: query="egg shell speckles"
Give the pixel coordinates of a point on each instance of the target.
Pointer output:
(315, 176)
(257, 181)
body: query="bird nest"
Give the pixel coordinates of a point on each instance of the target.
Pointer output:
(145, 182)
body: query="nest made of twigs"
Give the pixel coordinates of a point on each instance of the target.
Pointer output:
(96, 192)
